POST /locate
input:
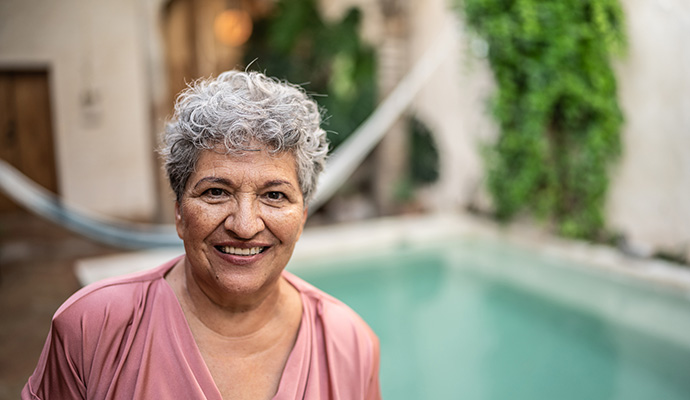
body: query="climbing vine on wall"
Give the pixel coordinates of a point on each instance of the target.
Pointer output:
(556, 106)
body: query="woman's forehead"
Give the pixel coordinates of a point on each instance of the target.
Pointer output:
(251, 163)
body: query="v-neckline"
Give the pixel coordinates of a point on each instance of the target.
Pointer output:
(293, 363)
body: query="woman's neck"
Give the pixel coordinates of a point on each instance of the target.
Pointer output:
(235, 317)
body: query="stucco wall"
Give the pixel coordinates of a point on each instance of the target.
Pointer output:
(650, 197)
(103, 151)
(453, 105)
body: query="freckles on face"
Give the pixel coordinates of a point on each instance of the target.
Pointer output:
(244, 193)
(240, 216)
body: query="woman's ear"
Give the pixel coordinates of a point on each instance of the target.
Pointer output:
(178, 220)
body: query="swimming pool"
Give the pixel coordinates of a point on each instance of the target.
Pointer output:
(464, 311)
(470, 318)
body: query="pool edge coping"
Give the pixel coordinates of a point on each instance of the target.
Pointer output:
(344, 238)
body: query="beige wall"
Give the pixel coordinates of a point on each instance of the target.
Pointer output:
(650, 197)
(453, 105)
(104, 156)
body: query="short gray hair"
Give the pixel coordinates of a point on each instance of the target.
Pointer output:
(240, 109)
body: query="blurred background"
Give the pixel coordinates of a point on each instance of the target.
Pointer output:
(86, 87)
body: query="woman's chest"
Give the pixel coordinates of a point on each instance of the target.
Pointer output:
(245, 370)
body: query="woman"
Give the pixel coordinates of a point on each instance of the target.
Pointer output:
(243, 153)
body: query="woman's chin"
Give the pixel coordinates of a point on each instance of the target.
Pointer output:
(242, 284)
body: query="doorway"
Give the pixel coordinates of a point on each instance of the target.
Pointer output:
(26, 129)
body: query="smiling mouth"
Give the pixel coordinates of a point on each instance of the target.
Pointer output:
(237, 251)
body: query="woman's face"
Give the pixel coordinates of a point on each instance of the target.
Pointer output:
(240, 217)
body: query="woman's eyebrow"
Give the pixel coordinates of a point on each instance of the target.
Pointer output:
(277, 182)
(227, 182)
(213, 179)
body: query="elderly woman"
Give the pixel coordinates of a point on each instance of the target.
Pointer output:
(243, 153)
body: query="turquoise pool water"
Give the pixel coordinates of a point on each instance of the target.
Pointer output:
(475, 319)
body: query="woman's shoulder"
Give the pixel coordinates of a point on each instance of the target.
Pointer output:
(341, 322)
(111, 298)
(350, 346)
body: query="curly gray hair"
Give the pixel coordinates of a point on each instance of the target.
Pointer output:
(238, 110)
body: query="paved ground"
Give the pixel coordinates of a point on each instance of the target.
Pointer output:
(36, 276)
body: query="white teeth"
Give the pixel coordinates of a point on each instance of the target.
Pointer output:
(236, 251)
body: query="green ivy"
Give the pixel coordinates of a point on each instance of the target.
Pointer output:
(556, 106)
(423, 163)
(423, 157)
(329, 59)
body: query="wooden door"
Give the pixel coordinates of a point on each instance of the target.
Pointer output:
(26, 134)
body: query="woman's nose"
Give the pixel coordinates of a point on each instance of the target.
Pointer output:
(245, 219)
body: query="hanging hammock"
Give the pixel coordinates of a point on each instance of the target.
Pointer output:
(342, 163)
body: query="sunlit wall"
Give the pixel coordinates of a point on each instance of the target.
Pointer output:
(93, 52)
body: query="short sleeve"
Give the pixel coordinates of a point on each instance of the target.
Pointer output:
(374, 386)
(58, 374)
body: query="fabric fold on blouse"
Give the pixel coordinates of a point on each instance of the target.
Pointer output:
(128, 338)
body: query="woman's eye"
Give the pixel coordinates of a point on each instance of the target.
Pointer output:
(275, 195)
(215, 192)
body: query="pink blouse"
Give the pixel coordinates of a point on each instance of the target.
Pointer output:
(127, 338)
